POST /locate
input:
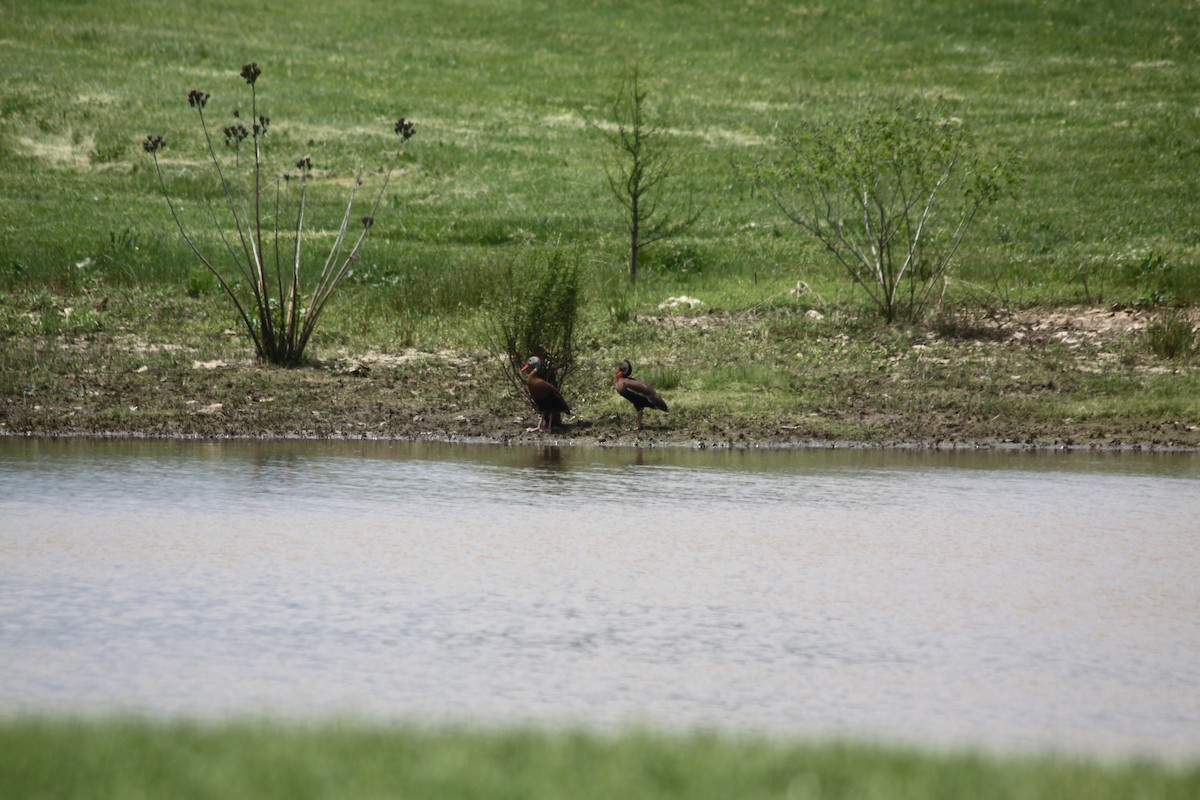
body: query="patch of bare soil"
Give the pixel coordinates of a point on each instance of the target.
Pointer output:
(1071, 327)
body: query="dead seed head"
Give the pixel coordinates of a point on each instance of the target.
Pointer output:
(405, 128)
(304, 164)
(152, 144)
(260, 127)
(368, 221)
(250, 72)
(234, 134)
(197, 98)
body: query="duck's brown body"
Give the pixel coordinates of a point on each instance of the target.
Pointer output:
(642, 395)
(545, 395)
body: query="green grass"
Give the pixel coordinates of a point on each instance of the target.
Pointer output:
(1099, 97)
(131, 758)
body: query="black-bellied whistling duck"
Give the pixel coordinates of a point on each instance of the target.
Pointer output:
(640, 394)
(545, 396)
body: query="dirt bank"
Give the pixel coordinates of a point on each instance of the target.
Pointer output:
(1017, 380)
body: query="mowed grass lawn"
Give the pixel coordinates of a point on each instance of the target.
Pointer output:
(1100, 98)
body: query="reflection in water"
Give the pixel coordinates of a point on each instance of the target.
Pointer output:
(549, 456)
(1007, 600)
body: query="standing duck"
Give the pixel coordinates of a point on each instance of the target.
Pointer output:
(545, 396)
(640, 394)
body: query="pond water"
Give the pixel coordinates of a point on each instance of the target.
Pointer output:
(1009, 601)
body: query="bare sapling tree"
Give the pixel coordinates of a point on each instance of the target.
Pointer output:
(891, 195)
(260, 268)
(645, 158)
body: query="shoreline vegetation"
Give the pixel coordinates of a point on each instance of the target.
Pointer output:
(147, 363)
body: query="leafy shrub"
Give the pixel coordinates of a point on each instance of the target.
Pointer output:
(889, 194)
(537, 314)
(1149, 278)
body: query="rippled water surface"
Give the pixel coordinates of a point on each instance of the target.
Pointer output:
(998, 600)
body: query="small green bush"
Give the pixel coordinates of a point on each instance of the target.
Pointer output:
(890, 193)
(1160, 280)
(1172, 336)
(200, 282)
(1183, 282)
(538, 312)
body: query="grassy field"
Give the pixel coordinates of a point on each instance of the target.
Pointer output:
(1099, 97)
(129, 758)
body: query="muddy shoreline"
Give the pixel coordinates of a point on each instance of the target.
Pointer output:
(1066, 381)
(566, 439)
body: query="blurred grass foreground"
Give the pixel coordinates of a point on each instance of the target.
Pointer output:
(127, 758)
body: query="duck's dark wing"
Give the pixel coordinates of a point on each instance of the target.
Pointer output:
(546, 397)
(640, 394)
